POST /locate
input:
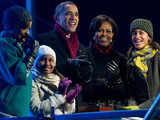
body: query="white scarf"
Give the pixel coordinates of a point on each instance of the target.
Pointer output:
(49, 79)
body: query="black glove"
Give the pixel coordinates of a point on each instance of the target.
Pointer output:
(30, 47)
(113, 75)
(84, 69)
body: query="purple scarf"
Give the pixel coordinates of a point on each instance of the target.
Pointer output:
(73, 43)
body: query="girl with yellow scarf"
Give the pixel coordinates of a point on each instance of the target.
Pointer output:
(143, 63)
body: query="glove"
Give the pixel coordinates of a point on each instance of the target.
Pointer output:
(30, 47)
(84, 69)
(77, 62)
(113, 75)
(73, 93)
(63, 86)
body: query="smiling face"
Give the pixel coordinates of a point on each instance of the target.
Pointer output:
(140, 38)
(104, 35)
(68, 19)
(46, 64)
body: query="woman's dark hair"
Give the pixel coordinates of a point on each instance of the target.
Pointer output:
(15, 17)
(96, 23)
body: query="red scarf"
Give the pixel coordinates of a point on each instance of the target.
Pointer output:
(103, 51)
(73, 43)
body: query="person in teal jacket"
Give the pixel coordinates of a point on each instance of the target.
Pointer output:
(15, 92)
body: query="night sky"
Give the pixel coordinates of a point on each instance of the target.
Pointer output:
(123, 12)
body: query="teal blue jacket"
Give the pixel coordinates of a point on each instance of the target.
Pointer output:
(14, 97)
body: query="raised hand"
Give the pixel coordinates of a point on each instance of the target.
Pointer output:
(113, 78)
(63, 86)
(73, 93)
(30, 47)
(84, 69)
(113, 67)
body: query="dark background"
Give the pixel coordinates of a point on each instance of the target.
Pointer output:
(122, 11)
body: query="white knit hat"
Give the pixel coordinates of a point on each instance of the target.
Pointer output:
(45, 50)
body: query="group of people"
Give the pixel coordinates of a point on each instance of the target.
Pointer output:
(57, 72)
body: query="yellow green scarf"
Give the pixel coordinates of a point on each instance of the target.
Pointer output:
(140, 58)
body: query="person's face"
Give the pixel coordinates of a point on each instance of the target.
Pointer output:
(69, 18)
(46, 64)
(140, 38)
(104, 35)
(23, 33)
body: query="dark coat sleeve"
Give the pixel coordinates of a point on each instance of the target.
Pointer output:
(137, 85)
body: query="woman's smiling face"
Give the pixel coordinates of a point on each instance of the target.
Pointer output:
(140, 38)
(104, 35)
(46, 64)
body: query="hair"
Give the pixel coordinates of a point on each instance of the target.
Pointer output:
(60, 8)
(15, 17)
(97, 21)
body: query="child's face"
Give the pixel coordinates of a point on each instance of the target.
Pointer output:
(46, 64)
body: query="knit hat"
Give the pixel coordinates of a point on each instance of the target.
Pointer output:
(15, 17)
(143, 24)
(45, 50)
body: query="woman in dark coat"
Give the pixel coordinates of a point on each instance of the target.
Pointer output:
(143, 63)
(107, 85)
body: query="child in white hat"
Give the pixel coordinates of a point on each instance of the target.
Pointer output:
(49, 88)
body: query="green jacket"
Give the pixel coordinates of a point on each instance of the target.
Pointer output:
(15, 98)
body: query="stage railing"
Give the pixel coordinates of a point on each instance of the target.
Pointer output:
(109, 115)
(93, 115)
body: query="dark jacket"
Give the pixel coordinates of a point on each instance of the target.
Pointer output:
(59, 45)
(14, 97)
(56, 42)
(144, 90)
(98, 88)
